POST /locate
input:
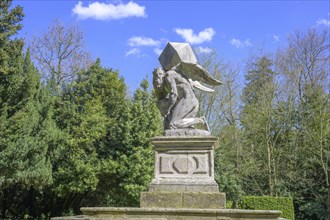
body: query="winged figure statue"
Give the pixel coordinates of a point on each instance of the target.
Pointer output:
(174, 83)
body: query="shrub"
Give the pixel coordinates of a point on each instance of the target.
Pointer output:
(284, 204)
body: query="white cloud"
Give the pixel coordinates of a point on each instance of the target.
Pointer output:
(158, 51)
(133, 51)
(239, 44)
(205, 50)
(142, 41)
(189, 36)
(276, 37)
(104, 11)
(323, 22)
(137, 42)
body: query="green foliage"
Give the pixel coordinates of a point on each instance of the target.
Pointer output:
(107, 158)
(87, 143)
(284, 204)
(232, 187)
(257, 121)
(10, 50)
(132, 152)
(28, 133)
(144, 124)
(279, 144)
(24, 123)
(229, 204)
(259, 82)
(82, 112)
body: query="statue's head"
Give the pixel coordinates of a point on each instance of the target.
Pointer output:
(158, 77)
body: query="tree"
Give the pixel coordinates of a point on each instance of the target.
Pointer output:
(211, 103)
(81, 113)
(138, 160)
(305, 75)
(27, 128)
(10, 56)
(10, 80)
(221, 109)
(257, 120)
(60, 53)
(127, 156)
(107, 158)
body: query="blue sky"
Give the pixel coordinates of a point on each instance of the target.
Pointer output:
(129, 35)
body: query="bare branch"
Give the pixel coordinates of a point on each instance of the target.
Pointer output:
(60, 52)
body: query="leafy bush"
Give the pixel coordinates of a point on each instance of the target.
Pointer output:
(284, 204)
(229, 204)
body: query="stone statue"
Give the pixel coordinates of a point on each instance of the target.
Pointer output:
(173, 84)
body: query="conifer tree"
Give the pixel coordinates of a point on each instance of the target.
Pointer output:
(138, 161)
(10, 57)
(26, 124)
(256, 118)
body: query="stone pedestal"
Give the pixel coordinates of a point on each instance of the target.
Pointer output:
(111, 213)
(191, 200)
(184, 164)
(184, 174)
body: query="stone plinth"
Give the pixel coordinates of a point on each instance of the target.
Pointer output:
(103, 213)
(184, 174)
(184, 164)
(193, 200)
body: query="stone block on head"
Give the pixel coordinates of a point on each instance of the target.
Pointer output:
(174, 53)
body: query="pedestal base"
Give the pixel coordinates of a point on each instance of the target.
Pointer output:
(194, 200)
(183, 185)
(107, 213)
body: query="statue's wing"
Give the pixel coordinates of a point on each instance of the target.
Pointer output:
(199, 86)
(195, 73)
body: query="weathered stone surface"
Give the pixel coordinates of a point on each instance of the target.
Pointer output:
(186, 132)
(174, 83)
(184, 164)
(103, 213)
(183, 185)
(208, 200)
(175, 53)
(205, 200)
(208, 142)
(184, 188)
(161, 200)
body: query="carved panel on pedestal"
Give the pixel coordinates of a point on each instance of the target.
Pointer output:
(184, 165)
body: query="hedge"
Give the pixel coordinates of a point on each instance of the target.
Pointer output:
(284, 204)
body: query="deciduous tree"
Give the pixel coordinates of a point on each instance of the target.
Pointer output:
(60, 53)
